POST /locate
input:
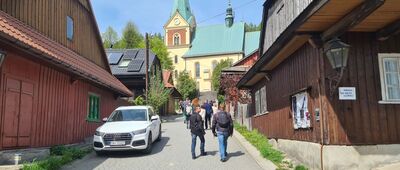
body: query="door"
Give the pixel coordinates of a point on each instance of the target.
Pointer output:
(17, 113)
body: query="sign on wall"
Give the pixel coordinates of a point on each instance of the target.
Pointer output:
(301, 115)
(347, 93)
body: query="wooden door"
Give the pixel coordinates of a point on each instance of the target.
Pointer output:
(18, 113)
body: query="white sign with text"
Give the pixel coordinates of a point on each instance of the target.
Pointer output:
(347, 93)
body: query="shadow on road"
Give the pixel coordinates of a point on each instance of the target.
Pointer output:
(235, 154)
(157, 148)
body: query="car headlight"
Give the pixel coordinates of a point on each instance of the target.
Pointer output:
(141, 131)
(98, 133)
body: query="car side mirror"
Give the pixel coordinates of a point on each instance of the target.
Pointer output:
(105, 119)
(153, 118)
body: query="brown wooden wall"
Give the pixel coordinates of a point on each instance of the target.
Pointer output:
(49, 18)
(359, 122)
(59, 107)
(364, 121)
(294, 74)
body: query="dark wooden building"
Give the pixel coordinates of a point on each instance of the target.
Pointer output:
(55, 81)
(294, 75)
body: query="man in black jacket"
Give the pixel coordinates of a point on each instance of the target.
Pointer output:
(222, 126)
(197, 130)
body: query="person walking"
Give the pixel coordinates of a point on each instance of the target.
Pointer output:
(197, 130)
(209, 112)
(222, 127)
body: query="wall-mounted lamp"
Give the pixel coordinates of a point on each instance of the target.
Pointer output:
(337, 53)
(2, 57)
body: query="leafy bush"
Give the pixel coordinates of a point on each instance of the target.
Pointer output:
(300, 167)
(139, 101)
(59, 156)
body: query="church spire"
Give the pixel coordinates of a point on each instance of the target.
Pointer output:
(183, 7)
(229, 19)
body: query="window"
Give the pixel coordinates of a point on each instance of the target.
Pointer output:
(214, 64)
(70, 28)
(389, 66)
(93, 107)
(176, 59)
(177, 39)
(176, 74)
(261, 101)
(197, 67)
(124, 63)
(301, 116)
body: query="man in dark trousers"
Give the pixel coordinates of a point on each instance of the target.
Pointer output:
(197, 130)
(209, 112)
(222, 126)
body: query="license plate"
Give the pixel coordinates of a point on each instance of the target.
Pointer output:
(117, 143)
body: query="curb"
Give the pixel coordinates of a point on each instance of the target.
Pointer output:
(264, 163)
(11, 167)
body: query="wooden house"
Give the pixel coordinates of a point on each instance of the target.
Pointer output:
(238, 100)
(55, 82)
(327, 115)
(173, 100)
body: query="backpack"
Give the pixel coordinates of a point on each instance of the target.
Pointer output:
(223, 120)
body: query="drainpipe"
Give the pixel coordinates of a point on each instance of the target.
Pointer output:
(321, 79)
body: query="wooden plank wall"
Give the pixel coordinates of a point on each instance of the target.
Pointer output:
(280, 15)
(49, 18)
(297, 72)
(60, 107)
(364, 121)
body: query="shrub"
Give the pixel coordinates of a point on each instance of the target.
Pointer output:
(300, 167)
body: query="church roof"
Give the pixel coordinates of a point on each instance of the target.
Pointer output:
(251, 42)
(183, 7)
(217, 39)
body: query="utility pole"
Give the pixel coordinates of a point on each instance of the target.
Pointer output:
(147, 65)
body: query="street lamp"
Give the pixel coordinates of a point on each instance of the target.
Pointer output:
(337, 53)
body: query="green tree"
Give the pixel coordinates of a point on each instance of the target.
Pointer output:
(186, 85)
(158, 94)
(158, 47)
(110, 37)
(217, 72)
(131, 37)
(252, 27)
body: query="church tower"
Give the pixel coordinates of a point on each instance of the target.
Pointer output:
(178, 33)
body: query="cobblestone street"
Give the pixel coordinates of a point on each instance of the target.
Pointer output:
(172, 152)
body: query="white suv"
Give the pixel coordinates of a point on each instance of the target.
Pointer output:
(128, 128)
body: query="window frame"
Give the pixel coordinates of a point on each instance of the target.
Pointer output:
(260, 101)
(177, 39)
(70, 27)
(89, 116)
(382, 72)
(176, 59)
(124, 66)
(197, 70)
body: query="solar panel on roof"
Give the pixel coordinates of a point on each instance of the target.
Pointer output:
(113, 58)
(130, 54)
(135, 65)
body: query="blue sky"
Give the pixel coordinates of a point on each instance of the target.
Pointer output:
(151, 15)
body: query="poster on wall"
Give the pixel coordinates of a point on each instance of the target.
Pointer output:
(301, 116)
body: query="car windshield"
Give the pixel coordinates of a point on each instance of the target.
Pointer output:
(128, 115)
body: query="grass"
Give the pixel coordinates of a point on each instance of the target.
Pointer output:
(59, 156)
(260, 141)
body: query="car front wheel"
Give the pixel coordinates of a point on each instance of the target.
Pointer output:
(149, 145)
(159, 134)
